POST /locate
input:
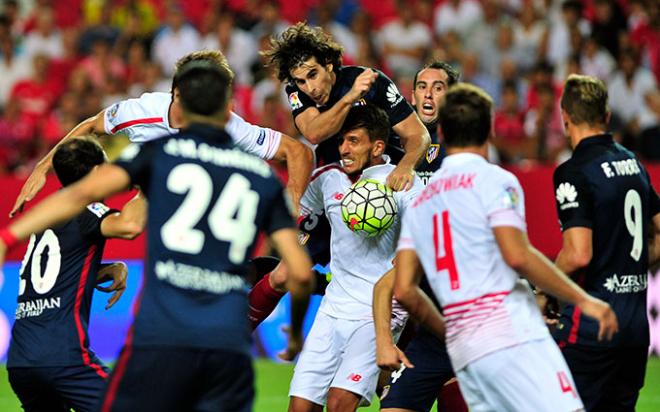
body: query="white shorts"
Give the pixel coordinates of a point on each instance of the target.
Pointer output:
(532, 376)
(338, 353)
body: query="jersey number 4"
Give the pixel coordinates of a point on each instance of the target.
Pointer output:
(442, 242)
(231, 219)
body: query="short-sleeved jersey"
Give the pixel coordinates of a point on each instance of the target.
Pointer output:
(208, 200)
(147, 118)
(383, 93)
(603, 187)
(356, 262)
(57, 279)
(487, 307)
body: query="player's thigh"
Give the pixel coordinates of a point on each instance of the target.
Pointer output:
(417, 388)
(318, 361)
(592, 369)
(153, 380)
(81, 386)
(33, 388)
(357, 371)
(622, 390)
(529, 376)
(227, 383)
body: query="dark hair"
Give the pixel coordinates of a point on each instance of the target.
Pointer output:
(298, 44)
(452, 74)
(204, 87)
(585, 100)
(465, 117)
(370, 117)
(213, 56)
(76, 157)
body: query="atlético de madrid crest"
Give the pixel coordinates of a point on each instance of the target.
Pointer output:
(432, 153)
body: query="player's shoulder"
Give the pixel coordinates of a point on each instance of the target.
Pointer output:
(326, 171)
(491, 173)
(571, 168)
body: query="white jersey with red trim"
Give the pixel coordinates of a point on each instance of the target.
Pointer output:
(147, 118)
(487, 306)
(356, 263)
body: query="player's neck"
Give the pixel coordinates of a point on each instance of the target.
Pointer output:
(478, 150)
(580, 132)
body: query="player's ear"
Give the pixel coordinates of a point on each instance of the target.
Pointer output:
(378, 148)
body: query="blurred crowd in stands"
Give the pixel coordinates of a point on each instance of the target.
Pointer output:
(62, 61)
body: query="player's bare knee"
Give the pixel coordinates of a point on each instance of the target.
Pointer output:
(278, 277)
(341, 400)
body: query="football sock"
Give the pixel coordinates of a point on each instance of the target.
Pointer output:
(262, 299)
(450, 399)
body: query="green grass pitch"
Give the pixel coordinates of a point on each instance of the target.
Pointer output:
(273, 384)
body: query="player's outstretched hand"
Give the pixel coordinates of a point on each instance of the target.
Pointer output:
(603, 313)
(390, 358)
(401, 178)
(118, 273)
(293, 348)
(31, 187)
(362, 84)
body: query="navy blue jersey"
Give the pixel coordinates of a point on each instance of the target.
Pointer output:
(383, 93)
(57, 279)
(603, 187)
(207, 202)
(435, 154)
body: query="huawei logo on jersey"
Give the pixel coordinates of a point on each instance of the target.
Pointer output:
(566, 195)
(393, 95)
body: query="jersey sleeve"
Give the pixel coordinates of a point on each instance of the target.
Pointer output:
(504, 201)
(90, 220)
(406, 241)
(136, 160)
(389, 99)
(259, 141)
(312, 199)
(298, 100)
(127, 112)
(280, 212)
(573, 197)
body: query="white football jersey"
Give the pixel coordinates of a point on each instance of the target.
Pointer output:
(356, 262)
(146, 118)
(486, 305)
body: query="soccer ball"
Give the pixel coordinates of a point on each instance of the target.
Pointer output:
(368, 208)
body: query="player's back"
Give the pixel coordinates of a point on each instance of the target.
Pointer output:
(57, 279)
(450, 224)
(605, 188)
(208, 201)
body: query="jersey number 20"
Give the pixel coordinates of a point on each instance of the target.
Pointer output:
(41, 283)
(231, 219)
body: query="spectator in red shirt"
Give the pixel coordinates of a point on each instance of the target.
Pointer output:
(510, 138)
(36, 95)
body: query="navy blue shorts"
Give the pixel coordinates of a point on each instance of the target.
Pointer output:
(417, 388)
(161, 379)
(607, 379)
(60, 388)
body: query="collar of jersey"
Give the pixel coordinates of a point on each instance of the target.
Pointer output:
(375, 169)
(604, 138)
(207, 132)
(460, 158)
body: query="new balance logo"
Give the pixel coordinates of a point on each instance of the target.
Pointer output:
(566, 195)
(355, 377)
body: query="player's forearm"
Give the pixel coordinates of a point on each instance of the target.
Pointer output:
(420, 306)
(326, 124)
(134, 216)
(299, 163)
(549, 278)
(569, 261)
(415, 141)
(86, 127)
(382, 308)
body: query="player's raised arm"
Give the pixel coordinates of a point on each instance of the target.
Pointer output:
(388, 356)
(299, 164)
(65, 204)
(130, 222)
(407, 292)
(529, 262)
(300, 284)
(415, 140)
(37, 178)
